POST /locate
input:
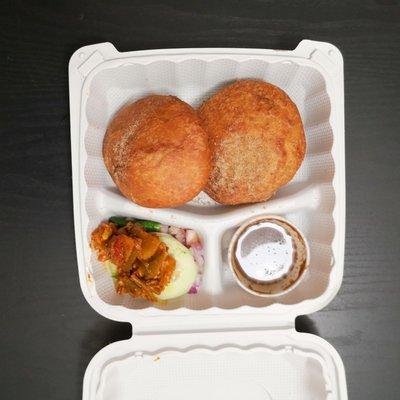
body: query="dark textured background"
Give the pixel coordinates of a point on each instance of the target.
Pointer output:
(48, 333)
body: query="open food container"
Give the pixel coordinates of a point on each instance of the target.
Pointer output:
(222, 342)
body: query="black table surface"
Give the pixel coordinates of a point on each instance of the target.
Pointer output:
(48, 332)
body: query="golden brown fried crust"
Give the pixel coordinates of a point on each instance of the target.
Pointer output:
(256, 140)
(156, 152)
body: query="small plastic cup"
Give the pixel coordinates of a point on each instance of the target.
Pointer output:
(268, 256)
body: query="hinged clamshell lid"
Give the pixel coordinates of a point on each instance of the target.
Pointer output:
(257, 365)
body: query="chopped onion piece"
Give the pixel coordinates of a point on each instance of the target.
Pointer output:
(164, 228)
(198, 256)
(194, 289)
(191, 237)
(178, 233)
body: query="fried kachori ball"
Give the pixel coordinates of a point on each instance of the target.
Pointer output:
(156, 151)
(256, 139)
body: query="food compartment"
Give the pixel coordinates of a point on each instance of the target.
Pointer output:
(104, 285)
(307, 201)
(193, 81)
(316, 278)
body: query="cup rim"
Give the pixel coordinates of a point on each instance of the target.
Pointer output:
(251, 221)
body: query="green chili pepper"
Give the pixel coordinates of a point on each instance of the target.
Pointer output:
(148, 226)
(119, 221)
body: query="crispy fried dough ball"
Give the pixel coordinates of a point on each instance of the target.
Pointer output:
(156, 151)
(256, 140)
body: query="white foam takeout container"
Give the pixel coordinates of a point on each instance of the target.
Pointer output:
(222, 342)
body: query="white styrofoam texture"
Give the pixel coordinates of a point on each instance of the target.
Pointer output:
(102, 80)
(283, 362)
(276, 365)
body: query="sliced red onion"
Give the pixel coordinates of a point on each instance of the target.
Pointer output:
(178, 233)
(164, 228)
(173, 230)
(194, 289)
(198, 255)
(198, 246)
(191, 237)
